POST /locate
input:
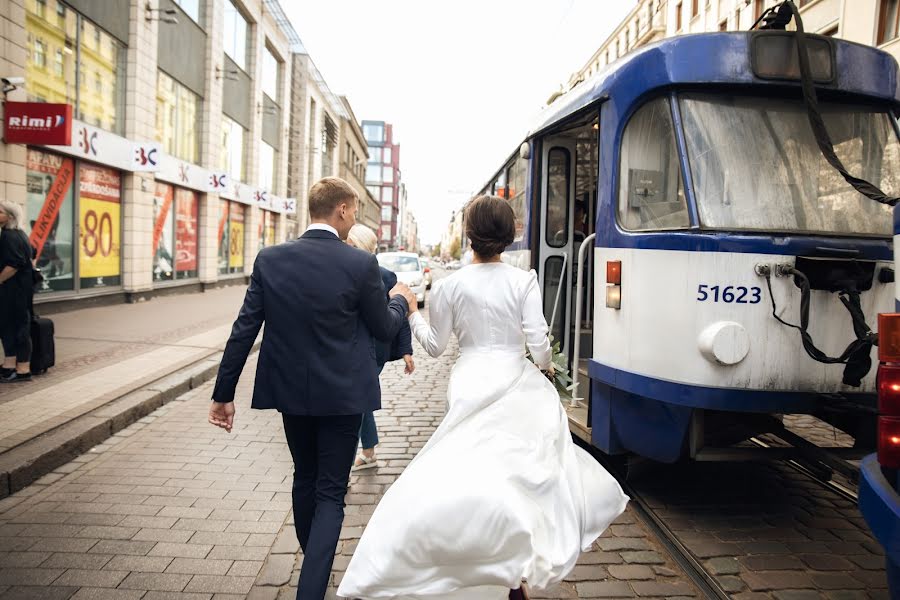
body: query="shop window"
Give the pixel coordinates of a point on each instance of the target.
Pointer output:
(100, 219)
(163, 228)
(231, 237)
(232, 158)
(187, 205)
(888, 20)
(175, 233)
(49, 217)
(235, 38)
(266, 229)
(177, 111)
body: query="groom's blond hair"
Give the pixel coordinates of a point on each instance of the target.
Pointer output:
(327, 194)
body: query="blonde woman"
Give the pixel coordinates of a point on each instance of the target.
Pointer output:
(363, 238)
(16, 295)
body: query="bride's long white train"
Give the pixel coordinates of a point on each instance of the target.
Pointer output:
(500, 493)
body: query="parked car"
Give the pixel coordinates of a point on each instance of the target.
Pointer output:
(426, 269)
(409, 270)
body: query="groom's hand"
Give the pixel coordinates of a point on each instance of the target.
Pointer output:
(410, 364)
(221, 414)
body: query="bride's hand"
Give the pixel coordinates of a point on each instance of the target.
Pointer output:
(550, 372)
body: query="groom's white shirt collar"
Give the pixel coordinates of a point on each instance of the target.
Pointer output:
(323, 227)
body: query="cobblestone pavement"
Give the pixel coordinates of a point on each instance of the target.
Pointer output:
(173, 508)
(767, 531)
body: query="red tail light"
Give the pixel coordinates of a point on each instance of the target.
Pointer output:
(888, 383)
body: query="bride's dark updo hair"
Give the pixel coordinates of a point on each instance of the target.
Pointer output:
(490, 225)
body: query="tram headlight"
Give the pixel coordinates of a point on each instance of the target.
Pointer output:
(614, 296)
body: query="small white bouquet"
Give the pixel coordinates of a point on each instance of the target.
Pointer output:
(561, 378)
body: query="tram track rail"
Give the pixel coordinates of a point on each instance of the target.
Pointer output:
(703, 580)
(699, 576)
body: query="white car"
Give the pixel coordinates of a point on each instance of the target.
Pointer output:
(409, 270)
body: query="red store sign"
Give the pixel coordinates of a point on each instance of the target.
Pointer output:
(37, 123)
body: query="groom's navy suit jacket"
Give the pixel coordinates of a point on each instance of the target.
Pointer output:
(322, 302)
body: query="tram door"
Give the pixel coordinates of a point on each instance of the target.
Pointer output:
(556, 246)
(570, 166)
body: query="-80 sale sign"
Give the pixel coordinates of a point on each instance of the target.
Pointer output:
(100, 216)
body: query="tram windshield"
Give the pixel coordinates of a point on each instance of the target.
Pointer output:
(756, 166)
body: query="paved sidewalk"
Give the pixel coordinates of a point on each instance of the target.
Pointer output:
(103, 353)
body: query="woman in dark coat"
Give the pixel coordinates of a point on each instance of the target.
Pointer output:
(16, 295)
(400, 347)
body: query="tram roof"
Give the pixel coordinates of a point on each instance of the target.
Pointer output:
(715, 58)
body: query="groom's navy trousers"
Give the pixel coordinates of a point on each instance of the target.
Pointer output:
(323, 304)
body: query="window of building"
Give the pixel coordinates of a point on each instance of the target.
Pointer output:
(56, 38)
(235, 38)
(40, 7)
(831, 31)
(373, 132)
(387, 213)
(723, 26)
(387, 196)
(267, 164)
(373, 173)
(177, 112)
(695, 8)
(375, 154)
(758, 7)
(387, 174)
(888, 24)
(232, 148)
(191, 8)
(374, 190)
(678, 16)
(387, 155)
(271, 75)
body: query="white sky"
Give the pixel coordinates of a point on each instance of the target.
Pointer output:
(460, 81)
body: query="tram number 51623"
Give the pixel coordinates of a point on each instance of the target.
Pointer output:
(729, 294)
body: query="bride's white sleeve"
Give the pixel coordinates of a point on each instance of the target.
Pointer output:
(534, 324)
(434, 337)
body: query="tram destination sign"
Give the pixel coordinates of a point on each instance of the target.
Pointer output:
(37, 123)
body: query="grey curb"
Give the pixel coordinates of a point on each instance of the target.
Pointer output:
(35, 458)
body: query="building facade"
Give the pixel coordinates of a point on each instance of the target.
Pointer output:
(176, 173)
(383, 179)
(315, 134)
(869, 22)
(354, 158)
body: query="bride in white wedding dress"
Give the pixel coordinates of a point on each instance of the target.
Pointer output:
(500, 493)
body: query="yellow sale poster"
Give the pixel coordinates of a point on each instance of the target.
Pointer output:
(99, 218)
(236, 236)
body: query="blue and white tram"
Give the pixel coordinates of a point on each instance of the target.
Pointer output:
(693, 164)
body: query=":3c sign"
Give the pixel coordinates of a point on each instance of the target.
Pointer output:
(729, 294)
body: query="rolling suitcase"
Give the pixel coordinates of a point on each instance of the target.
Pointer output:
(43, 347)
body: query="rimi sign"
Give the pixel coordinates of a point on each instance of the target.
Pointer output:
(37, 123)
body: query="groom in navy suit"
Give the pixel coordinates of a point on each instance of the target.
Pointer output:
(323, 302)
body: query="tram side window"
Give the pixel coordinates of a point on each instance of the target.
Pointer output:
(516, 179)
(651, 192)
